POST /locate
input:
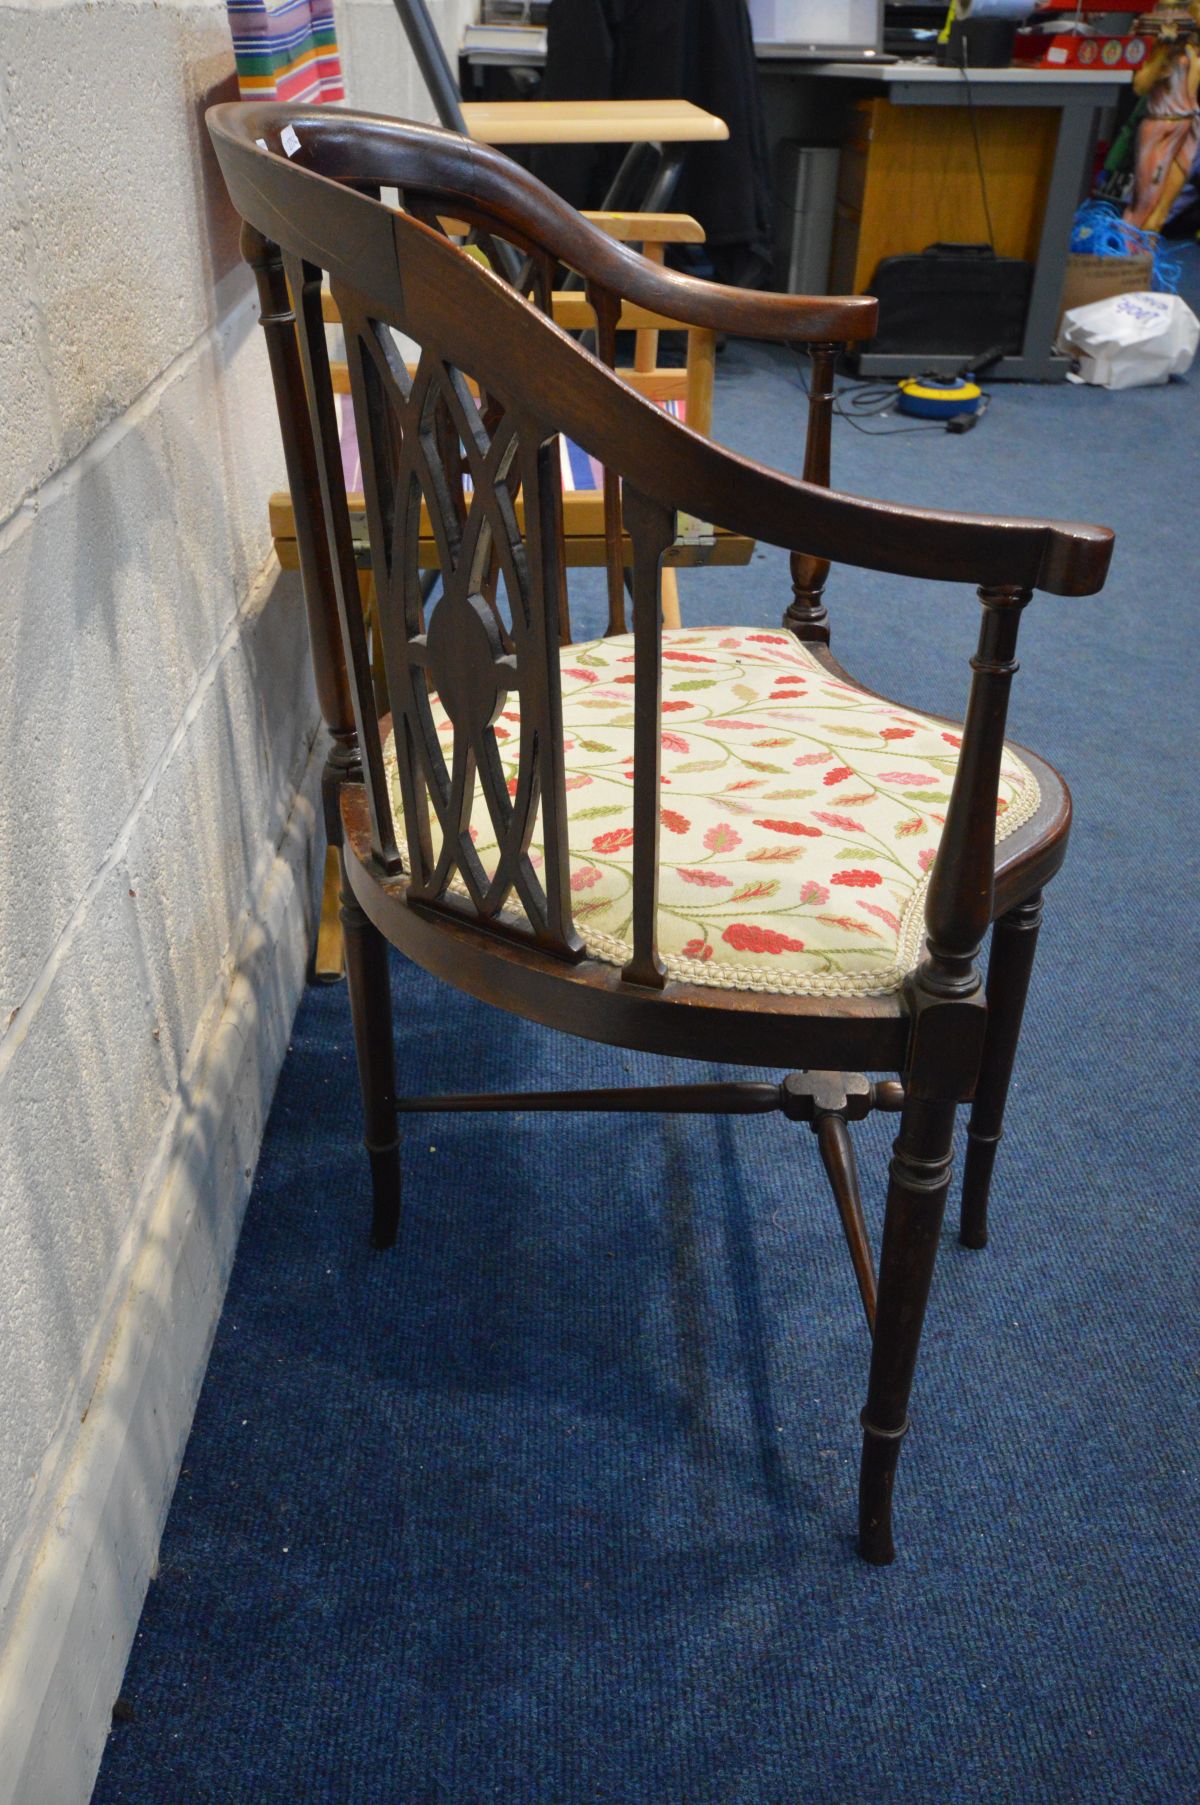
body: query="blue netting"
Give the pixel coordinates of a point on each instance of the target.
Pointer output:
(1099, 231)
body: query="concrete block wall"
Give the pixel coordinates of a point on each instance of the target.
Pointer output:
(159, 764)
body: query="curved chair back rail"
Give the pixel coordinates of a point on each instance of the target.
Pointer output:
(442, 165)
(417, 282)
(421, 436)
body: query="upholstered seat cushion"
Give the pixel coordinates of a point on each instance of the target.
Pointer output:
(800, 816)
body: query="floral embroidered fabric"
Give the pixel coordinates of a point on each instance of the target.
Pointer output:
(800, 817)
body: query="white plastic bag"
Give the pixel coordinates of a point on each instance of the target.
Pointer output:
(1130, 340)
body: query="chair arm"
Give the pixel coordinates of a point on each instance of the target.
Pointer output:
(470, 181)
(743, 313)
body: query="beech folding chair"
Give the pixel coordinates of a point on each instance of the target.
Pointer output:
(708, 843)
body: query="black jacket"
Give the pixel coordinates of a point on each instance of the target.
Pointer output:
(697, 50)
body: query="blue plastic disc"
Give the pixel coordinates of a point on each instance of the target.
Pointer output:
(932, 400)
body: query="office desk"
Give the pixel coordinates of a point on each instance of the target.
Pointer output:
(1044, 191)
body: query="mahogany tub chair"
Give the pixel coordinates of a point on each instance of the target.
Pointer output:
(711, 844)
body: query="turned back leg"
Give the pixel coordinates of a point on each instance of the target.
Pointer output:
(371, 1013)
(1014, 942)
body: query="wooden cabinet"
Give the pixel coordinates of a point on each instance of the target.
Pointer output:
(909, 176)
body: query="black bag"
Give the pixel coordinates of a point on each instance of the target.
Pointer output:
(951, 300)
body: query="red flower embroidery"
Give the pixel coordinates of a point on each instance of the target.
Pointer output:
(674, 742)
(689, 657)
(748, 937)
(857, 880)
(713, 880)
(843, 821)
(512, 786)
(838, 774)
(896, 733)
(671, 705)
(697, 949)
(674, 821)
(926, 857)
(913, 778)
(585, 877)
(790, 827)
(613, 842)
(768, 639)
(952, 739)
(721, 838)
(583, 676)
(814, 893)
(578, 782)
(813, 758)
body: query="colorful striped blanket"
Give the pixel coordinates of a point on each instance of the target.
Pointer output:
(286, 50)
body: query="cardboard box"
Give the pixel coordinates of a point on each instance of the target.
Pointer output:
(1097, 278)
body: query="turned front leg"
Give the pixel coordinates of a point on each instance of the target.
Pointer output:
(919, 1177)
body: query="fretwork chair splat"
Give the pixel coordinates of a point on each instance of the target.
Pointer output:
(709, 843)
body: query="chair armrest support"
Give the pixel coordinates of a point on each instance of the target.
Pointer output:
(958, 907)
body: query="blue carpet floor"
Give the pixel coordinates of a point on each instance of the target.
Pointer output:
(554, 1503)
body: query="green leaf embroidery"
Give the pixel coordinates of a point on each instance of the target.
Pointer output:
(927, 795)
(593, 745)
(766, 887)
(597, 810)
(695, 764)
(757, 764)
(786, 795)
(696, 683)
